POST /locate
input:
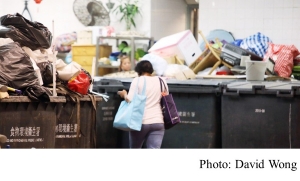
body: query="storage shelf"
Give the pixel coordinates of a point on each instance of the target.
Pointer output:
(107, 66)
(117, 38)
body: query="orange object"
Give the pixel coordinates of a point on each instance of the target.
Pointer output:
(80, 83)
(222, 73)
(38, 1)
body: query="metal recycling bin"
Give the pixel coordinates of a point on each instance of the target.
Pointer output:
(261, 114)
(107, 135)
(69, 116)
(28, 124)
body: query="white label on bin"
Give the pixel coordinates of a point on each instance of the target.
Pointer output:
(67, 136)
(189, 122)
(108, 113)
(66, 128)
(20, 132)
(186, 114)
(260, 110)
(24, 131)
(24, 140)
(108, 108)
(66, 131)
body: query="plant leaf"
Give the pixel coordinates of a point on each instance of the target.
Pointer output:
(126, 50)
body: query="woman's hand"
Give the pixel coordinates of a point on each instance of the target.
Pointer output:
(122, 93)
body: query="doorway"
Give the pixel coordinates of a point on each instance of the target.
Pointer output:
(192, 19)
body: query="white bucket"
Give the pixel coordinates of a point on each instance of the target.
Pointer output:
(255, 70)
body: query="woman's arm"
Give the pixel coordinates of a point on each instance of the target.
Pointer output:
(123, 94)
(128, 96)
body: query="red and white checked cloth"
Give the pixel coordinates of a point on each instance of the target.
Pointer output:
(283, 56)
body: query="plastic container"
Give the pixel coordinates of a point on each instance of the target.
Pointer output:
(296, 72)
(261, 115)
(255, 70)
(28, 124)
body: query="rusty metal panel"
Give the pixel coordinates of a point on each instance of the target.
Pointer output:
(66, 126)
(28, 124)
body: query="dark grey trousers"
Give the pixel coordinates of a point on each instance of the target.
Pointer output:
(151, 133)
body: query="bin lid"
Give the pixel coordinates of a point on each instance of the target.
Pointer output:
(267, 86)
(204, 82)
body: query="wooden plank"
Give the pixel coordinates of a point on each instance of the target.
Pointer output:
(27, 99)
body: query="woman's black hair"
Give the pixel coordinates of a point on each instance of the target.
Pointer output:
(144, 66)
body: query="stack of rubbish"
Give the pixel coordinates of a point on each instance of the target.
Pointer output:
(29, 65)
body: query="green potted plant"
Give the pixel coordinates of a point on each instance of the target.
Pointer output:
(128, 10)
(125, 50)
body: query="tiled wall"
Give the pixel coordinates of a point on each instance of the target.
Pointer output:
(167, 17)
(61, 13)
(159, 17)
(277, 19)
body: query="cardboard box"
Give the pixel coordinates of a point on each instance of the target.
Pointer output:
(84, 37)
(183, 45)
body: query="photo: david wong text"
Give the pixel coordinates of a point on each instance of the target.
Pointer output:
(242, 164)
(274, 164)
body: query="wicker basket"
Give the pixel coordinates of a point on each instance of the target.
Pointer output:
(205, 60)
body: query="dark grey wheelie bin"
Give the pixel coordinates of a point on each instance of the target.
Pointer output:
(261, 115)
(106, 135)
(198, 102)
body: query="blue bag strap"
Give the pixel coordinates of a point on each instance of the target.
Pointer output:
(144, 87)
(137, 86)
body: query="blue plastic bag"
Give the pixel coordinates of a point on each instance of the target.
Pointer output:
(257, 43)
(130, 115)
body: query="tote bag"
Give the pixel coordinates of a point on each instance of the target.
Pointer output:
(169, 110)
(129, 116)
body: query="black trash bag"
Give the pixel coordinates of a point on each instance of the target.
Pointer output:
(3, 31)
(38, 93)
(30, 34)
(46, 69)
(16, 69)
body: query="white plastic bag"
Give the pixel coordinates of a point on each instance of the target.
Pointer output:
(37, 71)
(67, 71)
(36, 55)
(4, 41)
(173, 69)
(158, 63)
